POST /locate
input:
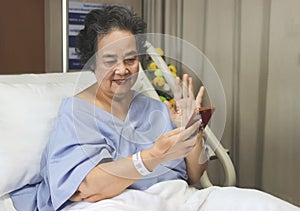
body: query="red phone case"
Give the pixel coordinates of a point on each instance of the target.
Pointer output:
(203, 113)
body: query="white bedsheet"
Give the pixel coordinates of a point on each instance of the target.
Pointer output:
(6, 203)
(175, 195)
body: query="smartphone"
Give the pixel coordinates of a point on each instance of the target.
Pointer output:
(202, 114)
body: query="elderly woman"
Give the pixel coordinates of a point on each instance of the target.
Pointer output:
(116, 66)
(109, 138)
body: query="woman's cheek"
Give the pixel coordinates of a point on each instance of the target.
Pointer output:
(102, 73)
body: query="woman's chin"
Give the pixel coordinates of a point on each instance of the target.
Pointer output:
(124, 92)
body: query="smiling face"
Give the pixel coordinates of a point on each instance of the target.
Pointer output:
(117, 63)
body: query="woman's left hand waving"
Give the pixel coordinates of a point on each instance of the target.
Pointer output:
(185, 101)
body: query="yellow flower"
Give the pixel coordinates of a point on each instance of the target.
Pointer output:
(159, 81)
(159, 51)
(152, 66)
(173, 70)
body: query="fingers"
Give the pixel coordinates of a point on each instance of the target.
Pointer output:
(200, 96)
(186, 90)
(183, 92)
(183, 133)
(185, 85)
(176, 143)
(177, 90)
(187, 133)
(174, 132)
(185, 99)
(191, 88)
(191, 99)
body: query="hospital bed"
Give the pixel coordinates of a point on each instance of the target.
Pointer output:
(29, 104)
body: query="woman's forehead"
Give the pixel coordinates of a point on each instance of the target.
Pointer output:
(116, 42)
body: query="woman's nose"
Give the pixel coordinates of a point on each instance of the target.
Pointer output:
(121, 68)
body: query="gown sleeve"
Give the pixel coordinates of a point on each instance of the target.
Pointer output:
(75, 147)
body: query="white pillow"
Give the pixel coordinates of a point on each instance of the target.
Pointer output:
(28, 108)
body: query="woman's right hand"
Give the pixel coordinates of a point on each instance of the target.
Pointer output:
(175, 144)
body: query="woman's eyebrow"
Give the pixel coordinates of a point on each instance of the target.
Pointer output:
(114, 56)
(109, 56)
(130, 53)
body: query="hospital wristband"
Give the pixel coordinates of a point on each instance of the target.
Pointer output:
(139, 165)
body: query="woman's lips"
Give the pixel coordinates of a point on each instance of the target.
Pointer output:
(120, 81)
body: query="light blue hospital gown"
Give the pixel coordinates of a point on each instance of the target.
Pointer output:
(84, 136)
